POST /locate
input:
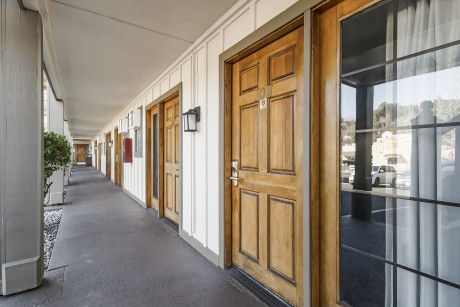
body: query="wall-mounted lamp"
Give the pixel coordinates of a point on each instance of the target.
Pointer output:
(110, 143)
(191, 118)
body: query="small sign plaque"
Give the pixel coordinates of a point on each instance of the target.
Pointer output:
(263, 103)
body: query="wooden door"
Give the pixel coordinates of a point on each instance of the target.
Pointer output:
(117, 158)
(99, 156)
(107, 156)
(325, 170)
(267, 145)
(155, 157)
(82, 151)
(120, 158)
(171, 159)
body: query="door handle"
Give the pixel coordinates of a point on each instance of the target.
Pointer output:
(234, 177)
(235, 180)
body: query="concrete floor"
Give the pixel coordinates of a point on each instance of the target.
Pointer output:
(110, 251)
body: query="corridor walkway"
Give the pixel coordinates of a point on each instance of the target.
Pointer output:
(110, 251)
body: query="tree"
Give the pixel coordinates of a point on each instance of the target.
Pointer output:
(56, 156)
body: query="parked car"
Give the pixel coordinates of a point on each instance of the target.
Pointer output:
(351, 179)
(403, 181)
(381, 174)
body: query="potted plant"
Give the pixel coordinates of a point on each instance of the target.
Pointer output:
(57, 152)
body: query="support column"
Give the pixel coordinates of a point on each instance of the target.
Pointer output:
(21, 148)
(56, 125)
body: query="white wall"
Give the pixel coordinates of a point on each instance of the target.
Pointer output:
(93, 152)
(198, 70)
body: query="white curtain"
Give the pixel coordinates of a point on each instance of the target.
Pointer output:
(428, 236)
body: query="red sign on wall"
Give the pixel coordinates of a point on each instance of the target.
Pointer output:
(128, 150)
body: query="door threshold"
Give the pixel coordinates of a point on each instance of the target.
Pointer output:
(259, 290)
(171, 224)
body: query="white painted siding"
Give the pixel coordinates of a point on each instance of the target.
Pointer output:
(198, 70)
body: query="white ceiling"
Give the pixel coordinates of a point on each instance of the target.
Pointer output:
(108, 51)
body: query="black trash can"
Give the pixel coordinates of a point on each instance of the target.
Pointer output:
(89, 160)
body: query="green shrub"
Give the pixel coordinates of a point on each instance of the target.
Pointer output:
(56, 156)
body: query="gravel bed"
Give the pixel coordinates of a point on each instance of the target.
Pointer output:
(51, 226)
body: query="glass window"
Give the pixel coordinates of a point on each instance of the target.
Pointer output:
(137, 139)
(138, 142)
(400, 114)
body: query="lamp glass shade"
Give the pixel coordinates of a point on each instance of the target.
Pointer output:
(190, 122)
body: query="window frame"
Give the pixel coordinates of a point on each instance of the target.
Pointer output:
(138, 144)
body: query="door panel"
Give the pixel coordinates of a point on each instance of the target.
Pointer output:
(281, 134)
(249, 227)
(171, 165)
(117, 157)
(281, 234)
(249, 122)
(108, 156)
(267, 143)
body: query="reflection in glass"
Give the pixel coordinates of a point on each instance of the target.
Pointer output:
(396, 101)
(417, 163)
(399, 167)
(420, 231)
(365, 280)
(370, 47)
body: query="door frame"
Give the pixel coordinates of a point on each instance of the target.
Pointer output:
(120, 138)
(115, 154)
(94, 152)
(282, 24)
(172, 93)
(75, 154)
(108, 153)
(99, 156)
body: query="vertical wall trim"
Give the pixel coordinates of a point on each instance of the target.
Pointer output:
(307, 160)
(193, 168)
(206, 102)
(2, 129)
